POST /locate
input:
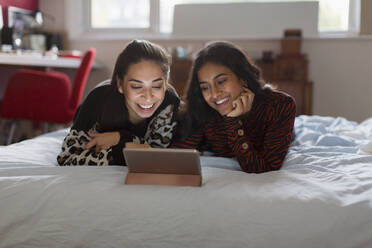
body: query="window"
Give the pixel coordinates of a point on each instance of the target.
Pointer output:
(116, 16)
(120, 14)
(156, 16)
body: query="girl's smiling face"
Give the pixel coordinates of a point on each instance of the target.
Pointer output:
(144, 88)
(219, 86)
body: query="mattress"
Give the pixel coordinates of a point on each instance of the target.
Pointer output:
(321, 197)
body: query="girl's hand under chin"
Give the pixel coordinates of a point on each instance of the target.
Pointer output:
(242, 104)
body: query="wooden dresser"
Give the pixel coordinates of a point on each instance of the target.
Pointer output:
(289, 74)
(288, 71)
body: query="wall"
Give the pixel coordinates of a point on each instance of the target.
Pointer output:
(25, 4)
(341, 69)
(54, 8)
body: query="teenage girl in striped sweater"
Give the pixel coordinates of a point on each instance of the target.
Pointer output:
(232, 114)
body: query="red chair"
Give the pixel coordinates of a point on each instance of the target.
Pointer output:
(45, 96)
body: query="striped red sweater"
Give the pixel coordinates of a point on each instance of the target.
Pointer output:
(259, 140)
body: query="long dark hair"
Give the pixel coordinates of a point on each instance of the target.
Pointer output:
(115, 114)
(222, 53)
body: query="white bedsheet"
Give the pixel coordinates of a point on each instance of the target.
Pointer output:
(322, 197)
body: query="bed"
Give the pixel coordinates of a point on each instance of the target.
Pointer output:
(322, 197)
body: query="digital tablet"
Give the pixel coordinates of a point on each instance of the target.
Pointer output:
(160, 166)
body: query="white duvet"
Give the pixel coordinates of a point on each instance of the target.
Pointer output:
(322, 197)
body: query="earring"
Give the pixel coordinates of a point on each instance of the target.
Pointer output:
(119, 85)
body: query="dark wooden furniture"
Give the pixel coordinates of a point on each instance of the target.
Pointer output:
(289, 74)
(179, 75)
